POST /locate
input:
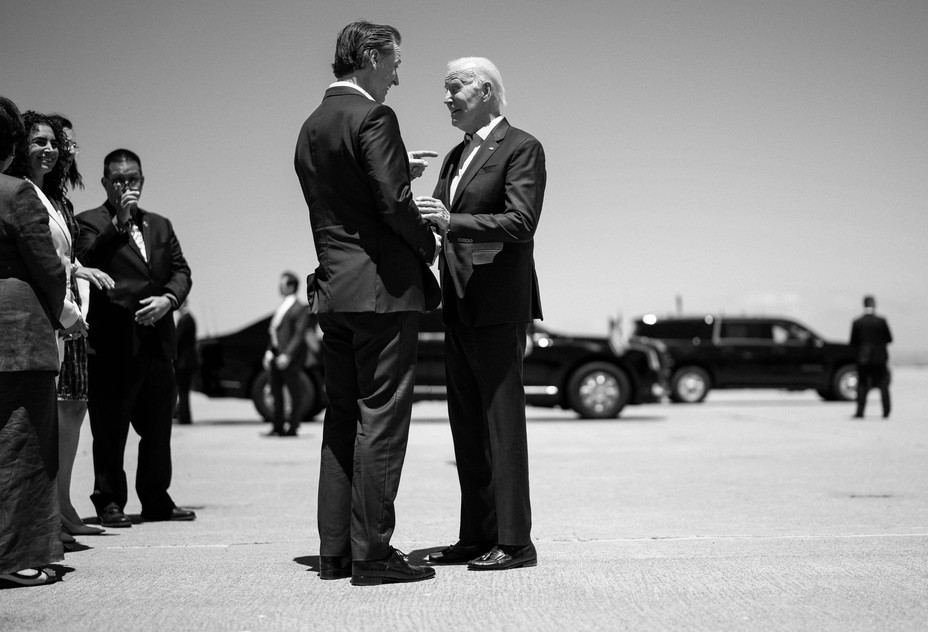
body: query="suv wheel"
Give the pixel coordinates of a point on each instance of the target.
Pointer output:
(264, 402)
(598, 390)
(689, 385)
(845, 384)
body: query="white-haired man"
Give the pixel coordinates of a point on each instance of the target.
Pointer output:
(487, 205)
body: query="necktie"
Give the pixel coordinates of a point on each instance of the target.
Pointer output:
(471, 143)
(137, 238)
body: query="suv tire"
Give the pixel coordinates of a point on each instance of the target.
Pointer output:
(264, 402)
(844, 384)
(689, 385)
(598, 390)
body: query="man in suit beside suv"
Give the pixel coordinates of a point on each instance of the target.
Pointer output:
(373, 280)
(869, 336)
(286, 354)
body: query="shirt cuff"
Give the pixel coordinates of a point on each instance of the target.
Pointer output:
(437, 247)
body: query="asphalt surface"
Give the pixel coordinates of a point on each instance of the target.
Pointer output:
(757, 510)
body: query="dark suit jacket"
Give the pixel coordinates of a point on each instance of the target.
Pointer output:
(291, 334)
(488, 270)
(111, 317)
(32, 281)
(869, 336)
(372, 244)
(186, 331)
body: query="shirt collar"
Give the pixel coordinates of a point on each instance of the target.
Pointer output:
(484, 131)
(349, 84)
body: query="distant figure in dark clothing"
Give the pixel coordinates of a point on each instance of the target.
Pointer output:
(186, 362)
(286, 354)
(869, 336)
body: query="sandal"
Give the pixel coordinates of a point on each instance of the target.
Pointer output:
(26, 577)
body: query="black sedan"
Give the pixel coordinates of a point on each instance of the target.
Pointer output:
(596, 376)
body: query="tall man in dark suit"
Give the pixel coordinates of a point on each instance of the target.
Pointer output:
(286, 355)
(869, 336)
(372, 281)
(494, 184)
(132, 341)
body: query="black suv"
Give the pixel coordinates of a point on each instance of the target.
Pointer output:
(595, 376)
(717, 351)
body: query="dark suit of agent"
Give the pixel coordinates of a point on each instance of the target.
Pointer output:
(371, 284)
(870, 336)
(286, 355)
(133, 343)
(493, 183)
(186, 362)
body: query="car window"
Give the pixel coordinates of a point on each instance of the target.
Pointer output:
(674, 329)
(747, 330)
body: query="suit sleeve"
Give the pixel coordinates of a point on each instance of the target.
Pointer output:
(523, 197)
(98, 239)
(387, 166)
(299, 332)
(34, 241)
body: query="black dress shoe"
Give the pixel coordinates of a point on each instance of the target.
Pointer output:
(290, 433)
(334, 566)
(177, 514)
(458, 553)
(113, 516)
(273, 433)
(393, 569)
(505, 556)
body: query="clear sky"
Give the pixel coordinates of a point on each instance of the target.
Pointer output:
(746, 156)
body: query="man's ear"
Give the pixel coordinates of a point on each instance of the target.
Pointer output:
(373, 56)
(487, 90)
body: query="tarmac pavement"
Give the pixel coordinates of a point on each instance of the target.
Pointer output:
(756, 510)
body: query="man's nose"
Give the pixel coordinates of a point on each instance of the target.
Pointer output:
(447, 97)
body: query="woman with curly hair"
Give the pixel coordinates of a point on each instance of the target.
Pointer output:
(72, 380)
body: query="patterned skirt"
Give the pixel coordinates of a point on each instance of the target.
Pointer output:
(72, 381)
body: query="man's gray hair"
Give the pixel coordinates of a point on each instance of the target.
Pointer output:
(482, 70)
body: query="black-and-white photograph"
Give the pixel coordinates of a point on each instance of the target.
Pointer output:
(504, 316)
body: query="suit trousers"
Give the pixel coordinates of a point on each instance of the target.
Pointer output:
(289, 377)
(872, 376)
(370, 362)
(139, 390)
(486, 408)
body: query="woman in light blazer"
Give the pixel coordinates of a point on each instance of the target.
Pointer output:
(72, 380)
(37, 161)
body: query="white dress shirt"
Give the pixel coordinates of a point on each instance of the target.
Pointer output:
(470, 151)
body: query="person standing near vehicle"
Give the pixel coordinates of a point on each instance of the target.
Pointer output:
(372, 282)
(870, 336)
(286, 355)
(493, 184)
(186, 362)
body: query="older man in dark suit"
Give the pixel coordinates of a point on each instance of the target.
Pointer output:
(133, 342)
(870, 336)
(493, 183)
(372, 281)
